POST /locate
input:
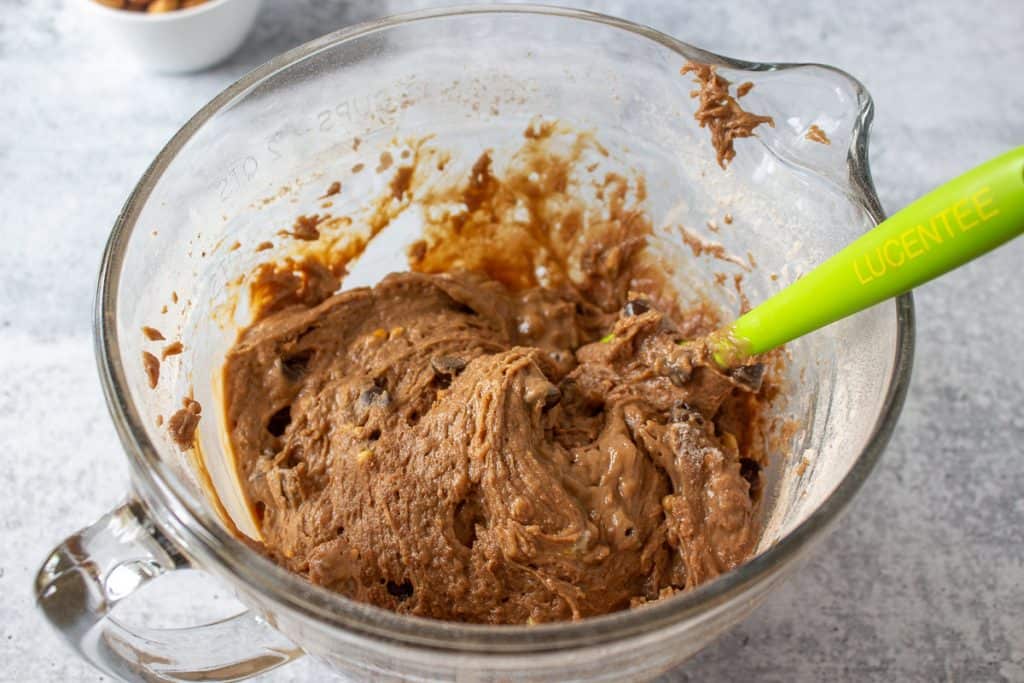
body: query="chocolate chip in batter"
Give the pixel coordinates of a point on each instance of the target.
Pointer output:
(552, 397)
(402, 591)
(441, 381)
(279, 421)
(462, 307)
(448, 365)
(468, 513)
(678, 376)
(636, 307)
(542, 392)
(446, 368)
(294, 366)
(751, 471)
(684, 412)
(375, 394)
(749, 377)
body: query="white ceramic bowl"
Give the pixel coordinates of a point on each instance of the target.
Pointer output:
(179, 41)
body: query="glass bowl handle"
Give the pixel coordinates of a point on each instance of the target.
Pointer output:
(94, 569)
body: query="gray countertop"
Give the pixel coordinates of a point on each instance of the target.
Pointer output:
(924, 577)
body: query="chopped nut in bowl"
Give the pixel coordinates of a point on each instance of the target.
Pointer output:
(175, 36)
(153, 6)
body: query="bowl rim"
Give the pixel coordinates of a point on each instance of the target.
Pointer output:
(153, 17)
(218, 552)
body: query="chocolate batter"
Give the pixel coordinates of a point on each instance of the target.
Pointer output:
(481, 446)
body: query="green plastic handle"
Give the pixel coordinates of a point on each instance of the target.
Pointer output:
(946, 228)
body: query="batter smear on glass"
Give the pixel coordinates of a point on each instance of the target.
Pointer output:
(720, 112)
(509, 434)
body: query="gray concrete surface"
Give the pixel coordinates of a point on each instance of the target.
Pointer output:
(923, 580)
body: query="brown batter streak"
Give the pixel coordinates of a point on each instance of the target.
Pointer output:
(151, 365)
(333, 189)
(152, 334)
(719, 111)
(701, 247)
(305, 227)
(172, 349)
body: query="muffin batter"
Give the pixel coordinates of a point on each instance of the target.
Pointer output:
(479, 448)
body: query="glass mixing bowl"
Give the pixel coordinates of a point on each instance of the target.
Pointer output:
(266, 148)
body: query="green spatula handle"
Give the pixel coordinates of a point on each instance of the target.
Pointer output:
(946, 228)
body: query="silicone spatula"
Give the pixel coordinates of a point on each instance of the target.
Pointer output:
(946, 228)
